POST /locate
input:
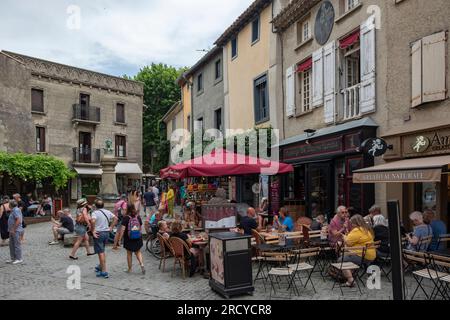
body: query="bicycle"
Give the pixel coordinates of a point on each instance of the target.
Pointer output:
(153, 246)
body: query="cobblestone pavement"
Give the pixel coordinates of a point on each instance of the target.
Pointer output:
(43, 276)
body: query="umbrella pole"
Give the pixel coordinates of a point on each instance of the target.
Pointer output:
(396, 250)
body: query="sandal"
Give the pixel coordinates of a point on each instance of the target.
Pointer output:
(73, 258)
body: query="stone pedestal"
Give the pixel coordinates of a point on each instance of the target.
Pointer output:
(108, 190)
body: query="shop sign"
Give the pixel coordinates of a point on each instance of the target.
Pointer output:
(316, 148)
(374, 147)
(432, 143)
(406, 176)
(324, 23)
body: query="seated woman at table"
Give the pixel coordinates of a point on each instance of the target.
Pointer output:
(195, 253)
(360, 236)
(163, 229)
(283, 220)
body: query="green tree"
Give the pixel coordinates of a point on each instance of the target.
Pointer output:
(161, 92)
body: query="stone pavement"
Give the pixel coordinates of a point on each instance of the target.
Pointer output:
(43, 276)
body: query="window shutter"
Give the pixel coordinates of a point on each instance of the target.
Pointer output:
(416, 64)
(329, 63)
(434, 67)
(317, 83)
(290, 92)
(368, 66)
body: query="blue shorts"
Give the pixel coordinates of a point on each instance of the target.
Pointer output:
(100, 243)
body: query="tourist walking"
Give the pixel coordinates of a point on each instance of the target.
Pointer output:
(5, 211)
(149, 202)
(155, 190)
(131, 232)
(120, 210)
(15, 230)
(102, 223)
(83, 220)
(170, 201)
(22, 207)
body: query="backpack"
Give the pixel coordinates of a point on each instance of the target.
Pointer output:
(134, 228)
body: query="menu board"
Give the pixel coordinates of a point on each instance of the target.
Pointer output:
(275, 194)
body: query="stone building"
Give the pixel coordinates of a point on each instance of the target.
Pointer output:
(69, 113)
(360, 69)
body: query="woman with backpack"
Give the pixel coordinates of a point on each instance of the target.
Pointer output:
(83, 221)
(131, 232)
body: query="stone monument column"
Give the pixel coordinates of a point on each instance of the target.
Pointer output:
(108, 189)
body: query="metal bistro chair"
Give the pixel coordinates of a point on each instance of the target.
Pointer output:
(310, 259)
(440, 276)
(283, 271)
(419, 263)
(348, 266)
(182, 255)
(443, 241)
(424, 243)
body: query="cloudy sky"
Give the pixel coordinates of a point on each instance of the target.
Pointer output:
(115, 36)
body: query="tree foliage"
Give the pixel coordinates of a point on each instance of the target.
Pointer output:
(161, 92)
(32, 167)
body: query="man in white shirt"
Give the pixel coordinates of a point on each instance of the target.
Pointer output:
(103, 223)
(156, 192)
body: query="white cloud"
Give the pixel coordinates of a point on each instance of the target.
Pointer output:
(117, 37)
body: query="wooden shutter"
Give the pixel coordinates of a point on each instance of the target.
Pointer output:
(120, 113)
(37, 100)
(317, 83)
(368, 66)
(416, 68)
(40, 139)
(434, 67)
(329, 63)
(290, 92)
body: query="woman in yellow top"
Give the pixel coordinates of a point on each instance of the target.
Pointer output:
(170, 201)
(360, 236)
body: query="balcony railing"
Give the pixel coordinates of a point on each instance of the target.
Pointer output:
(352, 102)
(86, 155)
(86, 114)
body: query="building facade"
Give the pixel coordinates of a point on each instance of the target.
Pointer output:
(208, 92)
(70, 113)
(354, 70)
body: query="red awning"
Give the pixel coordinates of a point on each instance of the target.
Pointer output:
(305, 65)
(350, 39)
(223, 163)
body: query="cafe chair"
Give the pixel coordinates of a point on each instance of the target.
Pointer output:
(338, 268)
(440, 276)
(182, 255)
(306, 261)
(421, 271)
(443, 242)
(425, 243)
(283, 274)
(166, 251)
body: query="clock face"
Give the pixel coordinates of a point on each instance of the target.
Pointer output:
(324, 23)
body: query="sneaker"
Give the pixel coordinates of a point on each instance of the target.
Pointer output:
(9, 261)
(17, 262)
(143, 270)
(98, 269)
(103, 275)
(53, 243)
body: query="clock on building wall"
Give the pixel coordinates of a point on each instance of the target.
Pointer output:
(324, 23)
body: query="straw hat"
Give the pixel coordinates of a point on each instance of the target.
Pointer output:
(82, 203)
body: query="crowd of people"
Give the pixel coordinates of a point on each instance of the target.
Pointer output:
(123, 226)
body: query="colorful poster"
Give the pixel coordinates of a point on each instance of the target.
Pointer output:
(217, 261)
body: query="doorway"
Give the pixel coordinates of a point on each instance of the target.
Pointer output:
(85, 147)
(320, 191)
(84, 106)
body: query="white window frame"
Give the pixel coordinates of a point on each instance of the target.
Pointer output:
(305, 86)
(351, 4)
(306, 31)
